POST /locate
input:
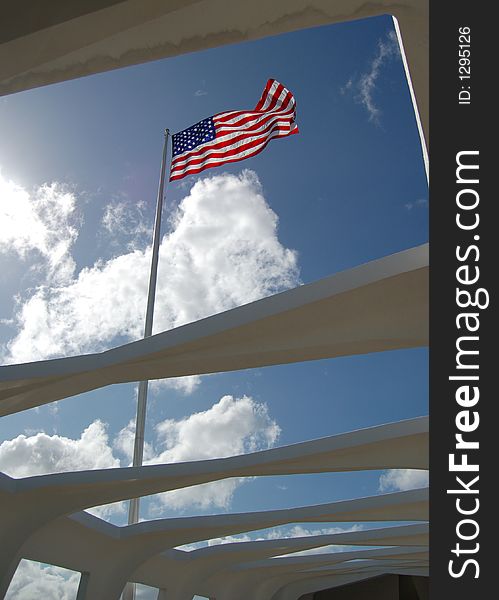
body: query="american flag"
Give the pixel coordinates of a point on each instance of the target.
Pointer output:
(234, 135)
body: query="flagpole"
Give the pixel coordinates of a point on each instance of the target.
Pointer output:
(138, 449)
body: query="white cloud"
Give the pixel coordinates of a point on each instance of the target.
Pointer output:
(40, 224)
(364, 86)
(39, 454)
(280, 533)
(33, 581)
(186, 384)
(231, 426)
(228, 539)
(123, 219)
(124, 442)
(402, 479)
(83, 315)
(300, 531)
(223, 251)
(284, 533)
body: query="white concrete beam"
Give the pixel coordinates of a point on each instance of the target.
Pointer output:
(403, 444)
(207, 566)
(67, 43)
(314, 583)
(112, 554)
(262, 579)
(381, 305)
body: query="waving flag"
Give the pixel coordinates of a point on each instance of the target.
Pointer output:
(234, 135)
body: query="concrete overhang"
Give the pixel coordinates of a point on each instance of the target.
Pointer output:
(48, 42)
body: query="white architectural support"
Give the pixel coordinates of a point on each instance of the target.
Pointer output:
(111, 554)
(262, 579)
(318, 583)
(368, 564)
(281, 564)
(396, 445)
(109, 34)
(271, 586)
(82, 586)
(207, 566)
(381, 305)
(279, 588)
(341, 576)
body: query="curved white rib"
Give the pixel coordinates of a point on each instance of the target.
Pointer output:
(262, 579)
(112, 554)
(203, 571)
(381, 305)
(136, 31)
(304, 584)
(396, 445)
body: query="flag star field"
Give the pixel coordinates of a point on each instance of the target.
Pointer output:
(190, 138)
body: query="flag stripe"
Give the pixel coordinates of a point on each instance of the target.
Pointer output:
(249, 117)
(234, 135)
(250, 152)
(229, 144)
(238, 146)
(254, 122)
(228, 140)
(269, 91)
(226, 117)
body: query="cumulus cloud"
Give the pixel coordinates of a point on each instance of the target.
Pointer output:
(185, 385)
(39, 454)
(33, 581)
(223, 251)
(123, 443)
(40, 224)
(402, 479)
(231, 426)
(363, 87)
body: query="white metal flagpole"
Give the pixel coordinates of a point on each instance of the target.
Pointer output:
(138, 450)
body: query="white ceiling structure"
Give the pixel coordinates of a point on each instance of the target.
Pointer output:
(382, 305)
(324, 319)
(44, 44)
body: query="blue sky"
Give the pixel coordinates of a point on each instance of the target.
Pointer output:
(79, 166)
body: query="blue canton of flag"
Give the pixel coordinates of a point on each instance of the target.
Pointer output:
(190, 138)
